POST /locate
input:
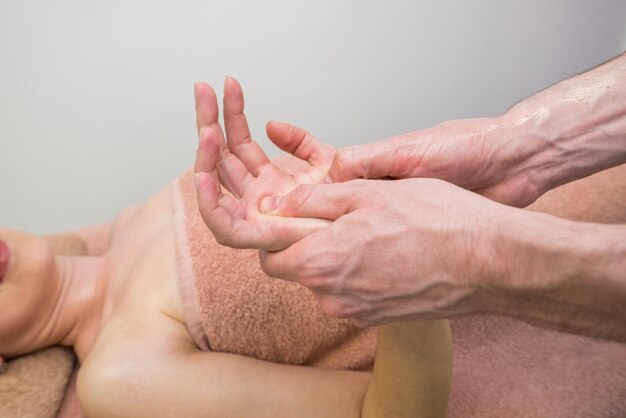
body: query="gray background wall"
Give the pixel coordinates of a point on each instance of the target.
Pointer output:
(96, 106)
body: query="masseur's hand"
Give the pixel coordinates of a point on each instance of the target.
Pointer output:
(476, 154)
(566, 132)
(404, 249)
(248, 175)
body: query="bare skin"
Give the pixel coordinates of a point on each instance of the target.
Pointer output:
(119, 308)
(121, 313)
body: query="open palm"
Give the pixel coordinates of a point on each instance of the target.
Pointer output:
(246, 174)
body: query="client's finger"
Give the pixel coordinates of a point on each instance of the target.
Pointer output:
(240, 142)
(217, 209)
(232, 174)
(207, 111)
(302, 145)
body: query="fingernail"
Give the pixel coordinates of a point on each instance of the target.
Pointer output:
(227, 80)
(270, 204)
(196, 179)
(195, 87)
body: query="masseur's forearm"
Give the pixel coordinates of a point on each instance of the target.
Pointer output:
(412, 372)
(560, 274)
(574, 128)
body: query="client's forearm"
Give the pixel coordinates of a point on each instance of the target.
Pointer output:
(560, 274)
(412, 372)
(574, 128)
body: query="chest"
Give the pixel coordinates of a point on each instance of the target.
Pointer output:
(142, 285)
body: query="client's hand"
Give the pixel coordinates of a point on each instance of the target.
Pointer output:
(240, 165)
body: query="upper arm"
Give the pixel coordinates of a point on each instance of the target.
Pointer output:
(149, 367)
(192, 383)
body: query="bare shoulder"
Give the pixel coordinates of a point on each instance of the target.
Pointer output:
(143, 328)
(132, 354)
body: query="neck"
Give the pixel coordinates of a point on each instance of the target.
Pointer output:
(76, 317)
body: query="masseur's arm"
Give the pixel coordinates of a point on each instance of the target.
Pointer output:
(445, 251)
(566, 132)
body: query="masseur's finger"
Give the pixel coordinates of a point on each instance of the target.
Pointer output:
(285, 232)
(240, 142)
(299, 143)
(294, 262)
(302, 145)
(393, 157)
(324, 201)
(278, 265)
(233, 174)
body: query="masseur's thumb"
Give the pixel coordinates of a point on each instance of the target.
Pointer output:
(324, 201)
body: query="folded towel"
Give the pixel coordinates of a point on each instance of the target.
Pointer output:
(70, 407)
(502, 367)
(232, 306)
(33, 386)
(507, 368)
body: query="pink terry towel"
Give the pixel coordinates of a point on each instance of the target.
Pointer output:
(506, 368)
(502, 367)
(232, 306)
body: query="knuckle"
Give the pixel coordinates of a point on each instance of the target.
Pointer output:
(268, 266)
(317, 271)
(313, 282)
(298, 196)
(361, 322)
(333, 307)
(340, 162)
(222, 239)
